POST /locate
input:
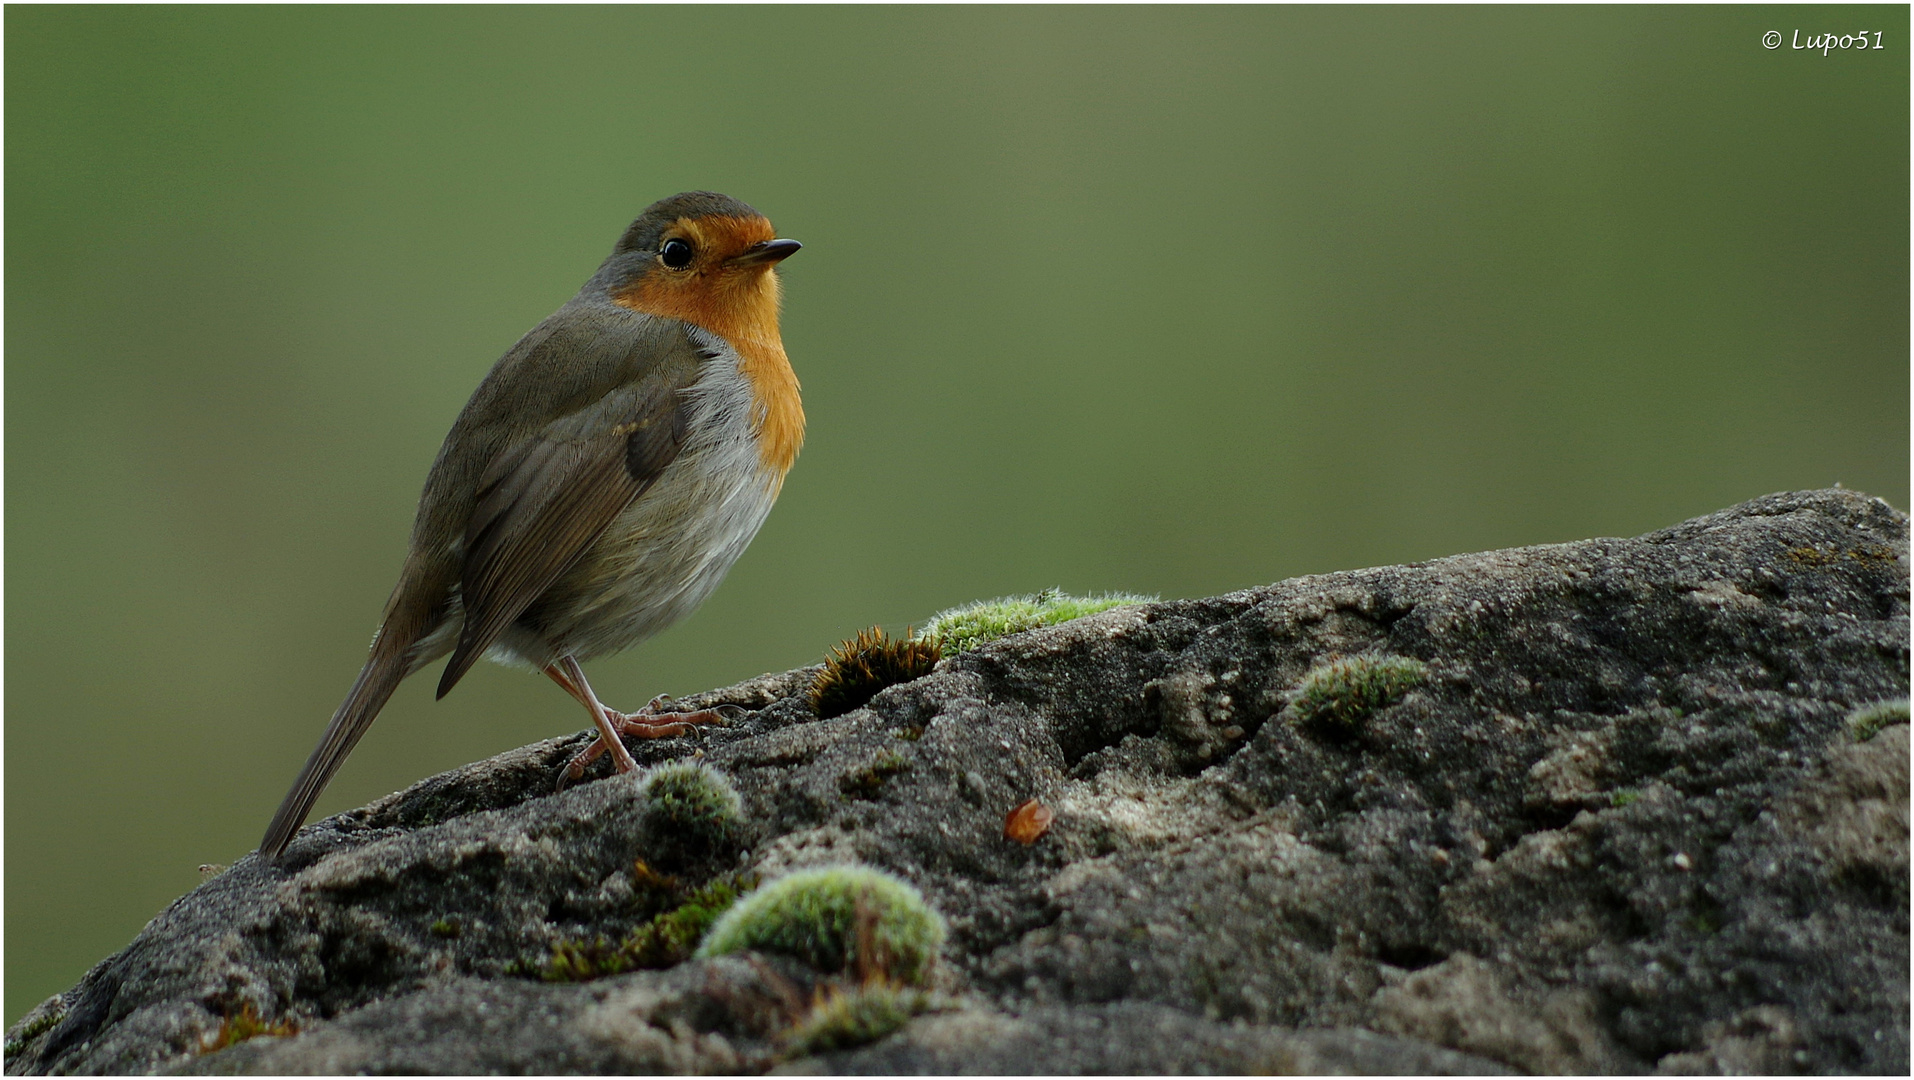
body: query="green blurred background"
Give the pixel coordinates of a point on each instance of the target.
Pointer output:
(1166, 300)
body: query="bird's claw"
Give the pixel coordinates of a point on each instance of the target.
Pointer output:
(646, 723)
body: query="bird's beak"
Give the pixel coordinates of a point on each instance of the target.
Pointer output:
(766, 253)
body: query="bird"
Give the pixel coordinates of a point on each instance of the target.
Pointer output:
(600, 482)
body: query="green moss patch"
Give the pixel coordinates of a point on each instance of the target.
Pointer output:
(42, 1020)
(665, 941)
(1867, 721)
(1340, 693)
(836, 919)
(691, 802)
(961, 629)
(866, 781)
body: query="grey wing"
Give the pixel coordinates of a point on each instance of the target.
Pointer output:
(545, 498)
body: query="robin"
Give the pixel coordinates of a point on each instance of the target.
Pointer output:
(599, 484)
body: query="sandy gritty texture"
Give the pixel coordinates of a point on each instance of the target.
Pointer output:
(1620, 827)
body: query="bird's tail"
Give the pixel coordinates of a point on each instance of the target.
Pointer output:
(383, 672)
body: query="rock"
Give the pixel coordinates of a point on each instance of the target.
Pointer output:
(1614, 822)
(1130, 1039)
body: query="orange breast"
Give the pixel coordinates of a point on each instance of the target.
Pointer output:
(741, 306)
(775, 388)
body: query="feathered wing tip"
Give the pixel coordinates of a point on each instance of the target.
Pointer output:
(463, 657)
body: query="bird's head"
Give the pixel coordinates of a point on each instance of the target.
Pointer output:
(702, 257)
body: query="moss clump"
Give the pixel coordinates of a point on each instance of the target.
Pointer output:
(671, 938)
(653, 886)
(961, 629)
(843, 1019)
(1340, 693)
(1867, 721)
(44, 1018)
(867, 781)
(692, 803)
(1622, 797)
(857, 669)
(836, 919)
(245, 1024)
(664, 941)
(582, 960)
(445, 928)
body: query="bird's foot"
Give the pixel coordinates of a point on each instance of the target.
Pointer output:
(646, 723)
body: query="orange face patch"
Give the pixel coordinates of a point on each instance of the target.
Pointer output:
(739, 304)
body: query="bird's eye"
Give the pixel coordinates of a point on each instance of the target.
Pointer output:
(676, 254)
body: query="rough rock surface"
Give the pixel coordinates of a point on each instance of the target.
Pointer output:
(1620, 827)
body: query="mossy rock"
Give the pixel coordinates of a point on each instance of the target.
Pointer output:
(664, 941)
(845, 1019)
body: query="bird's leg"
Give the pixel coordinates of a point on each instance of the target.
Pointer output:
(645, 723)
(576, 766)
(569, 675)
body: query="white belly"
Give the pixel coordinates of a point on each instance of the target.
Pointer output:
(667, 552)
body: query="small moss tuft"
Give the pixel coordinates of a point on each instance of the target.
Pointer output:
(44, 1018)
(857, 669)
(836, 919)
(1341, 692)
(1622, 797)
(445, 928)
(866, 781)
(961, 629)
(245, 1024)
(1867, 721)
(843, 1019)
(673, 937)
(582, 960)
(665, 941)
(692, 803)
(651, 884)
